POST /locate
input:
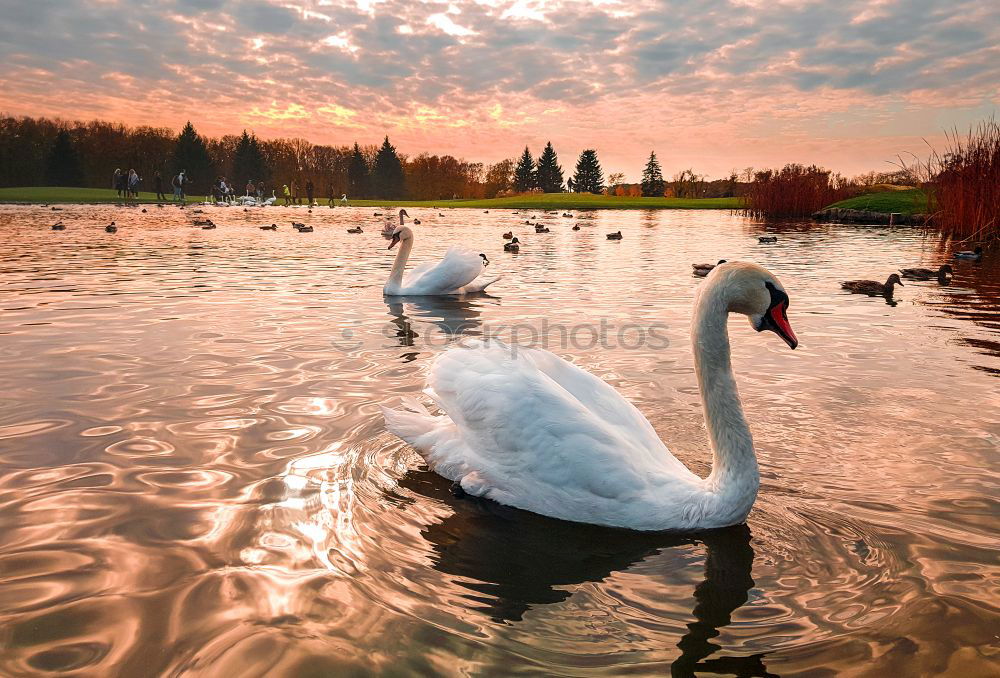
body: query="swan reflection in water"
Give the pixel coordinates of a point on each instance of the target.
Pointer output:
(453, 316)
(516, 560)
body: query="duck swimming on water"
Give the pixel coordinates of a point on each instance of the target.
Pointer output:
(975, 254)
(615, 236)
(873, 288)
(927, 273)
(512, 246)
(701, 270)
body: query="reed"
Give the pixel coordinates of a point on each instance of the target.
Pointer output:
(964, 185)
(795, 191)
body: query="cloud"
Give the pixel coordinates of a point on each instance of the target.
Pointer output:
(715, 84)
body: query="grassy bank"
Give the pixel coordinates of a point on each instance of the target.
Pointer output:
(551, 201)
(910, 201)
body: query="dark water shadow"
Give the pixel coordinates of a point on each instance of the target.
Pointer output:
(516, 560)
(454, 316)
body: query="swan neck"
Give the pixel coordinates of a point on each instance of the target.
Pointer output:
(395, 282)
(735, 476)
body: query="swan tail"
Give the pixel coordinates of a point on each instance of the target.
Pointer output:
(479, 284)
(412, 423)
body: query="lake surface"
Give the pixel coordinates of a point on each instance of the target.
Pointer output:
(195, 479)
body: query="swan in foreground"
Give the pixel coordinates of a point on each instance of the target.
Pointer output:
(528, 429)
(458, 273)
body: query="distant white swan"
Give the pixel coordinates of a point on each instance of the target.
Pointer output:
(390, 227)
(460, 272)
(528, 429)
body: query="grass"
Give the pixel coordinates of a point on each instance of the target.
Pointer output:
(907, 201)
(551, 201)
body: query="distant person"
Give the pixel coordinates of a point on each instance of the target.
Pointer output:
(133, 184)
(118, 182)
(260, 191)
(251, 189)
(310, 191)
(329, 192)
(287, 194)
(223, 189)
(295, 192)
(178, 184)
(158, 186)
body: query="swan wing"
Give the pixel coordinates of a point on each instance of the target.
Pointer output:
(457, 268)
(528, 429)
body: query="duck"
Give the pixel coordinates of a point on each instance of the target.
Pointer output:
(975, 254)
(305, 229)
(486, 262)
(376, 214)
(615, 236)
(525, 428)
(440, 214)
(111, 228)
(208, 228)
(927, 273)
(873, 288)
(144, 210)
(356, 229)
(272, 227)
(202, 222)
(576, 227)
(59, 226)
(416, 222)
(541, 229)
(298, 224)
(767, 239)
(57, 209)
(567, 215)
(701, 270)
(513, 246)
(486, 211)
(508, 235)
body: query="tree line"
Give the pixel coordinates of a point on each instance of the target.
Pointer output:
(54, 152)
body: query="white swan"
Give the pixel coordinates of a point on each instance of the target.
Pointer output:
(460, 272)
(389, 227)
(528, 429)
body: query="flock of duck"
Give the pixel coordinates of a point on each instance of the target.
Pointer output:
(944, 272)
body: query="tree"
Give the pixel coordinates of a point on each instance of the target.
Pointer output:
(615, 180)
(387, 174)
(588, 178)
(191, 156)
(524, 173)
(357, 174)
(548, 174)
(652, 178)
(63, 165)
(248, 162)
(499, 178)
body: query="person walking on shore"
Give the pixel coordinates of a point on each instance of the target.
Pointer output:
(287, 194)
(117, 183)
(310, 191)
(178, 184)
(295, 193)
(158, 186)
(133, 184)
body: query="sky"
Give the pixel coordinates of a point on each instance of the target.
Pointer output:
(712, 85)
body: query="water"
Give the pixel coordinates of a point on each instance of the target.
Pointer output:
(195, 478)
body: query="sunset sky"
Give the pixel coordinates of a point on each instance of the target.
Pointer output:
(709, 84)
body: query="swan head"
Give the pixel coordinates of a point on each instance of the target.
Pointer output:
(756, 293)
(401, 233)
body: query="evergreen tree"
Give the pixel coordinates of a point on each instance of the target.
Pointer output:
(524, 173)
(549, 175)
(62, 168)
(589, 177)
(191, 156)
(652, 178)
(387, 175)
(248, 162)
(357, 174)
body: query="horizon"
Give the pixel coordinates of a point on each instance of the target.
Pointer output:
(718, 87)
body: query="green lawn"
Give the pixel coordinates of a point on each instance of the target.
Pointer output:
(551, 201)
(911, 201)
